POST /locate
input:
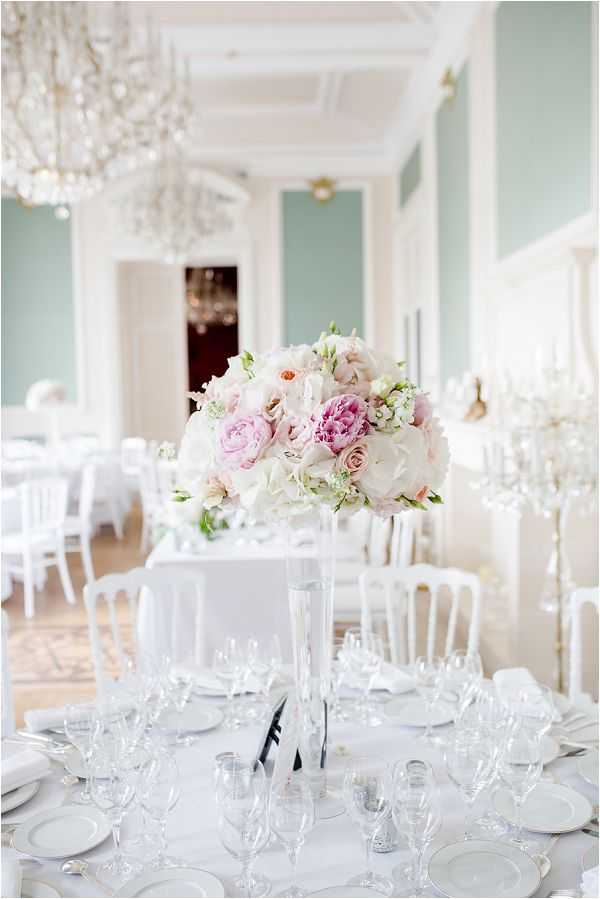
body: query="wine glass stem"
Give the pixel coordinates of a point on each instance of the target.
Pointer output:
(417, 869)
(293, 852)
(519, 822)
(116, 832)
(247, 875)
(469, 800)
(163, 839)
(428, 728)
(368, 854)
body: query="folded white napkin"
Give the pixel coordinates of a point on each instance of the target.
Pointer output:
(393, 679)
(589, 883)
(511, 677)
(22, 768)
(12, 875)
(206, 679)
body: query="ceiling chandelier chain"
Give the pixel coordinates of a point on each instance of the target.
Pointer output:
(85, 99)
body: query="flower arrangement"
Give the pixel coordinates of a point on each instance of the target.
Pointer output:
(335, 423)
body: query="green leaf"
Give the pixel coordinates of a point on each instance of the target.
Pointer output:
(333, 328)
(435, 498)
(247, 360)
(181, 496)
(206, 524)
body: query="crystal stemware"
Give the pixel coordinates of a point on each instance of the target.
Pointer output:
(463, 674)
(292, 816)
(367, 790)
(469, 759)
(429, 681)
(243, 822)
(416, 812)
(520, 767)
(181, 690)
(159, 790)
(364, 651)
(82, 727)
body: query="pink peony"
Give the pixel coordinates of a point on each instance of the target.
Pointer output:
(342, 421)
(241, 440)
(354, 459)
(423, 410)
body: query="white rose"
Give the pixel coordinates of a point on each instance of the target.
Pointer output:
(381, 386)
(196, 454)
(397, 465)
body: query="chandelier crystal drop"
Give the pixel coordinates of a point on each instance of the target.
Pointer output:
(176, 206)
(86, 98)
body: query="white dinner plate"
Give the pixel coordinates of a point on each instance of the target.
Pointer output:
(196, 717)
(549, 808)
(411, 712)
(590, 858)
(17, 797)
(180, 882)
(37, 889)
(347, 891)
(587, 767)
(63, 831)
(483, 868)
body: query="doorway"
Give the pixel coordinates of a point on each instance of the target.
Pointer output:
(211, 294)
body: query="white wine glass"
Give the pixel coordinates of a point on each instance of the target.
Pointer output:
(367, 794)
(520, 767)
(416, 812)
(82, 727)
(429, 682)
(159, 790)
(112, 789)
(469, 760)
(292, 817)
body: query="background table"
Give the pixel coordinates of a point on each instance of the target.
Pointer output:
(334, 851)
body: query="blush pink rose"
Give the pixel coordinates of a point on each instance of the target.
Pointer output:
(422, 494)
(293, 433)
(423, 411)
(241, 440)
(343, 419)
(354, 459)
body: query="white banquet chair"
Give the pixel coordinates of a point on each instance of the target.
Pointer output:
(579, 598)
(80, 527)
(172, 590)
(8, 710)
(390, 541)
(41, 541)
(109, 496)
(157, 482)
(133, 456)
(399, 588)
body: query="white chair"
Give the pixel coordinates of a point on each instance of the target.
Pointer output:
(133, 456)
(170, 587)
(579, 598)
(157, 482)
(389, 540)
(8, 710)
(41, 541)
(399, 588)
(79, 528)
(109, 498)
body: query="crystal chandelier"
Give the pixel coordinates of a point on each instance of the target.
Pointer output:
(176, 206)
(83, 101)
(209, 301)
(545, 457)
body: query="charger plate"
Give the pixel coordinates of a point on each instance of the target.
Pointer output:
(184, 883)
(484, 868)
(549, 808)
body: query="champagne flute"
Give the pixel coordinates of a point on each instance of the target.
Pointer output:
(82, 727)
(292, 816)
(367, 790)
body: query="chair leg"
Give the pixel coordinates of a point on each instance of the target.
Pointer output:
(63, 570)
(145, 535)
(86, 558)
(28, 585)
(116, 517)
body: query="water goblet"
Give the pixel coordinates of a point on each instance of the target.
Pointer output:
(112, 788)
(463, 673)
(520, 767)
(82, 727)
(159, 790)
(364, 650)
(181, 690)
(243, 823)
(416, 812)
(292, 816)
(429, 681)
(367, 791)
(469, 759)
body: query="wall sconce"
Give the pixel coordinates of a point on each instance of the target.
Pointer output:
(448, 85)
(322, 189)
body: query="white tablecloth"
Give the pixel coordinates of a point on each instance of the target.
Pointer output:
(333, 851)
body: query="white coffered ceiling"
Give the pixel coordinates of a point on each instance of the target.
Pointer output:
(276, 79)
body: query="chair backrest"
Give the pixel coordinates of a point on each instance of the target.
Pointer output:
(171, 587)
(8, 712)
(43, 504)
(400, 587)
(579, 598)
(86, 492)
(133, 454)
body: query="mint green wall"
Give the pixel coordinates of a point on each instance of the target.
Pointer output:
(543, 102)
(410, 176)
(37, 301)
(452, 127)
(322, 264)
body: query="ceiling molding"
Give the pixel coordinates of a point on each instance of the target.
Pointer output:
(294, 63)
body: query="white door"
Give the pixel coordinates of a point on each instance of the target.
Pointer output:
(153, 350)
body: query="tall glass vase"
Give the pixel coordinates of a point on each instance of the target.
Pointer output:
(310, 574)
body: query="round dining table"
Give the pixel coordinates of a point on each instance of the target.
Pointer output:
(334, 850)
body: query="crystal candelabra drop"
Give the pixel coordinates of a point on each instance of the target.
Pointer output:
(545, 457)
